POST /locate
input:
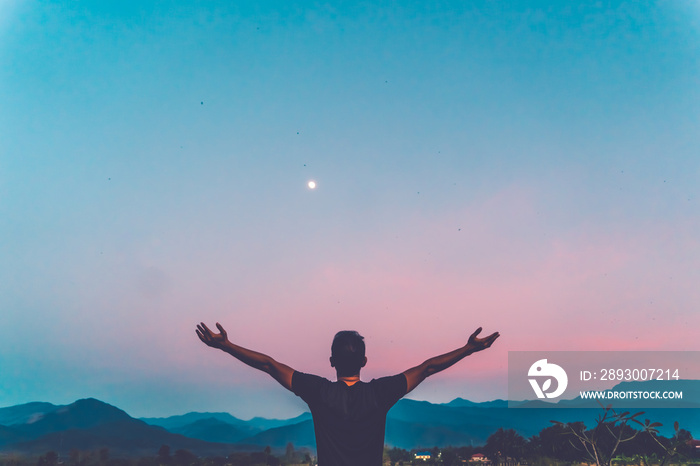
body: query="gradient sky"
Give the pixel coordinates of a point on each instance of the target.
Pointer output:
(529, 167)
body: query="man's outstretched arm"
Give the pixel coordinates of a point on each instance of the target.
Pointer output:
(280, 372)
(416, 375)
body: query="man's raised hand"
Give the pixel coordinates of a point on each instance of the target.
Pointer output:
(479, 344)
(280, 372)
(209, 338)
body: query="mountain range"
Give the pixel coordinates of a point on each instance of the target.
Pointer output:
(90, 424)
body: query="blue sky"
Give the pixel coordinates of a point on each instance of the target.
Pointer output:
(531, 167)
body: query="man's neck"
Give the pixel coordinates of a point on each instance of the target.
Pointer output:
(351, 380)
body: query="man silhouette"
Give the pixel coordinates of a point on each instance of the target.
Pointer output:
(349, 415)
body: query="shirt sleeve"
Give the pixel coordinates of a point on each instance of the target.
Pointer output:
(306, 386)
(391, 389)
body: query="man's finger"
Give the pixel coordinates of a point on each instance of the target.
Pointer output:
(221, 329)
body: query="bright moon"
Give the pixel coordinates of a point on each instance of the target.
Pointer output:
(312, 185)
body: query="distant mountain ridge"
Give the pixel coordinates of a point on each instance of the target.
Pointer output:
(25, 413)
(90, 424)
(261, 423)
(83, 414)
(461, 402)
(214, 430)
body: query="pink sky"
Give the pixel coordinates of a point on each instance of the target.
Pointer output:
(529, 169)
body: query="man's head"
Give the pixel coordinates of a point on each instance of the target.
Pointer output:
(348, 353)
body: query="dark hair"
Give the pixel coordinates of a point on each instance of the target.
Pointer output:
(348, 352)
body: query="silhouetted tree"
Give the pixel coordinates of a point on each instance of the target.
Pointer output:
(601, 443)
(449, 457)
(49, 459)
(465, 452)
(558, 442)
(184, 457)
(397, 455)
(669, 448)
(164, 454)
(289, 452)
(505, 443)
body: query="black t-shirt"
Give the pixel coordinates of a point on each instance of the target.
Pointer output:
(349, 420)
